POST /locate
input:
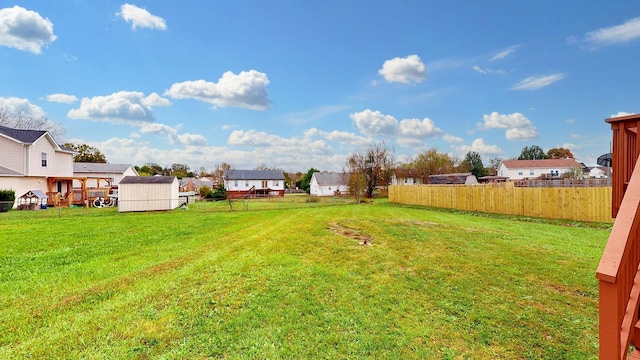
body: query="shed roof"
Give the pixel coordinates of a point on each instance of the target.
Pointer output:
(456, 178)
(99, 167)
(34, 193)
(254, 175)
(541, 163)
(147, 180)
(330, 178)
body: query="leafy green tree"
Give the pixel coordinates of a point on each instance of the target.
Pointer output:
(357, 184)
(376, 164)
(473, 162)
(432, 162)
(305, 182)
(86, 153)
(218, 193)
(559, 153)
(180, 170)
(533, 152)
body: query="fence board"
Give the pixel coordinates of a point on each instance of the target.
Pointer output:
(572, 203)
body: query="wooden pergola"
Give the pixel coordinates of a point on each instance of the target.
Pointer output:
(83, 196)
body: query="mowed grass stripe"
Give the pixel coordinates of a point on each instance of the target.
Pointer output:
(287, 284)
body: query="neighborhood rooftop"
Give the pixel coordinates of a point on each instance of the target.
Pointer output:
(254, 175)
(99, 167)
(24, 136)
(330, 178)
(542, 163)
(147, 180)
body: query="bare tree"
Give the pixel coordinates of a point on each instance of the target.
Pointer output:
(29, 121)
(375, 164)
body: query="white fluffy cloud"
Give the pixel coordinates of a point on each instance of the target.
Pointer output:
(408, 131)
(244, 90)
(275, 146)
(17, 105)
(625, 32)
(479, 146)
(62, 98)
(518, 126)
(122, 106)
(404, 70)
(141, 18)
(452, 139)
(172, 134)
(342, 137)
(24, 29)
(537, 82)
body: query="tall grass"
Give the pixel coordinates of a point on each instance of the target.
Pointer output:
(295, 283)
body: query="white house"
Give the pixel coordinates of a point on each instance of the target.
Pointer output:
(254, 183)
(520, 169)
(599, 172)
(148, 193)
(114, 172)
(32, 160)
(328, 183)
(402, 176)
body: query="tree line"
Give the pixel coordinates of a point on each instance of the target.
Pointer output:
(367, 169)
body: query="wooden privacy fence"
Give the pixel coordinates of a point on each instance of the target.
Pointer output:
(573, 203)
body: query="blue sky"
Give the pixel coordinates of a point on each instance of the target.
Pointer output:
(299, 84)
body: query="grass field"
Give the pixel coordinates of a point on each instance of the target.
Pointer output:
(295, 282)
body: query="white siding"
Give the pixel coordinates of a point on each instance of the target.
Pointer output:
(148, 197)
(13, 155)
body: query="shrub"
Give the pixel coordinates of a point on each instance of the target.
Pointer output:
(7, 198)
(219, 193)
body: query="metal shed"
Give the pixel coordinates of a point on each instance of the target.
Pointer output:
(148, 193)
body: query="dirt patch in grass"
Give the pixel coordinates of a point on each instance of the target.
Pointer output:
(351, 233)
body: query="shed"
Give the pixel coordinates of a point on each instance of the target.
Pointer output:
(148, 193)
(32, 200)
(328, 184)
(457, 179)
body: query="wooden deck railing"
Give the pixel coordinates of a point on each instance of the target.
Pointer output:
(619, 278)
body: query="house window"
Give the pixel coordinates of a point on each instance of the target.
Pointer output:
(246, 183)
(530, 171)
(264, 184)
(44, 159)
(275, 183)
(405, 180)
(520, 172)
(235, 183)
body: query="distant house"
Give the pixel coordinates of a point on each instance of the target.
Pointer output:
(599, 172)
(148, 193)
(193, 184)
(328, 184)
(254, 183)
(552, 168)
(453, 179)
(115, 172)
(33, 160)
(402, 176)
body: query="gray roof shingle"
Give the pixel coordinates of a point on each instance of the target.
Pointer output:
(24, 136)
(147, 180)
(254, 175)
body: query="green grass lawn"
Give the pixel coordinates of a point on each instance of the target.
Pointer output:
(295, 282)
